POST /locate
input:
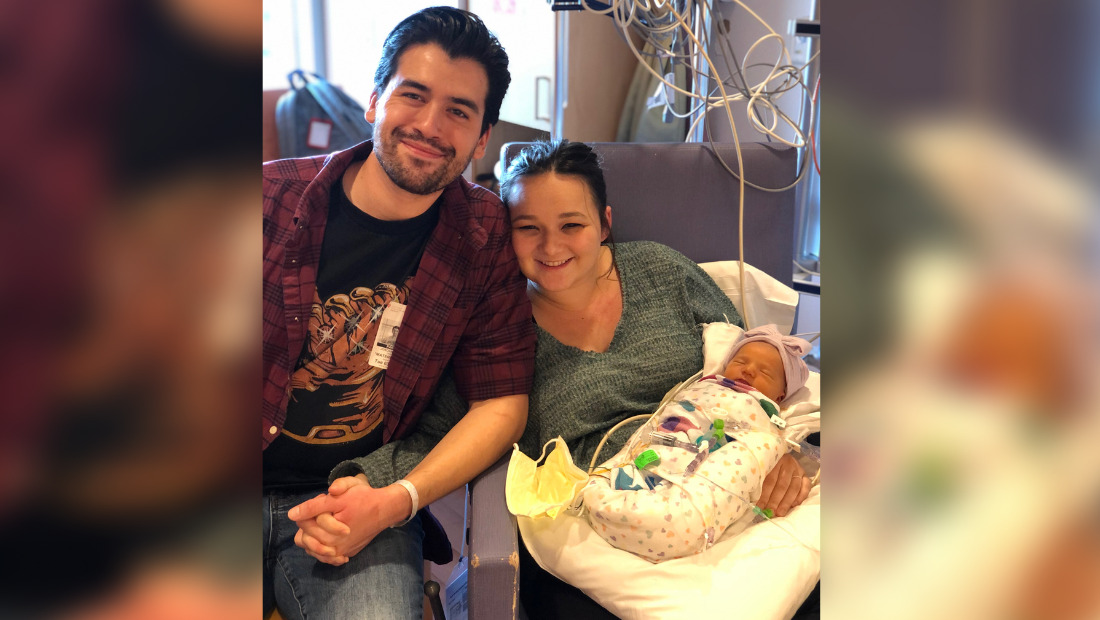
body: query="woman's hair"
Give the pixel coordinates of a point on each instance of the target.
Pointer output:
(562, 157)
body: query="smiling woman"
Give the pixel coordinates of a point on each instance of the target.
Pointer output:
(615, 330)
(557, 231)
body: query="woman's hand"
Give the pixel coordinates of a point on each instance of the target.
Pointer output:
(785, 486)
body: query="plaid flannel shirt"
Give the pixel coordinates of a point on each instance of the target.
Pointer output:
(467, 302)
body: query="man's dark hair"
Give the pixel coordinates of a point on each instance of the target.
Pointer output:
(462, 35)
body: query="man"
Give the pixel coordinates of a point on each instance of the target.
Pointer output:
(385, 235)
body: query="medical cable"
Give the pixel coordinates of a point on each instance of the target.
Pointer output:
(665, 28)
(701, 49)
(592, 464)
(805, 270)
(803, 165)
(669, 395)
(644, 26)
(809, 336)
(740, 167)
(813, 147)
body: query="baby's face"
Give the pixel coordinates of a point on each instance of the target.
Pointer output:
(759, 365)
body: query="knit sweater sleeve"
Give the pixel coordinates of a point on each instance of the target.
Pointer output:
(708, 303)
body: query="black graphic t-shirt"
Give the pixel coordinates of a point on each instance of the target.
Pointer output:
(335, 410)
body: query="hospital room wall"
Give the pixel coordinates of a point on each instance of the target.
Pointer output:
(590, 81)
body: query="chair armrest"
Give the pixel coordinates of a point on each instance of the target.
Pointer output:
(493, 592)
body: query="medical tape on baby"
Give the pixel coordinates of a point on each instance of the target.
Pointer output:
(386, 336)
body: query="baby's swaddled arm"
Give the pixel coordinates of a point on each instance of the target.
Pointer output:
(785, 485)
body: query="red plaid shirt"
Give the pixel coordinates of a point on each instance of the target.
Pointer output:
(467, 303)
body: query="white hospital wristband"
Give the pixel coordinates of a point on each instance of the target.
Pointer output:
(415, 499)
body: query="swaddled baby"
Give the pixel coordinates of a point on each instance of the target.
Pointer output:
(698, 465)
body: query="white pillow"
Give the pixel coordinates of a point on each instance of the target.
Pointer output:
(718, 339)
(770, 301)
(762, 573)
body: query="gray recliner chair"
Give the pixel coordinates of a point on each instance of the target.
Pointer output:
(680, 195)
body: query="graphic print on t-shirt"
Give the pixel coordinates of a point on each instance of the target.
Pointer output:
(334, 373)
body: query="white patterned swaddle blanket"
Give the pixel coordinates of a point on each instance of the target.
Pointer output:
(688, 473)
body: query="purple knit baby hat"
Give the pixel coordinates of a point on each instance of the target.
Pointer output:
(791, 349)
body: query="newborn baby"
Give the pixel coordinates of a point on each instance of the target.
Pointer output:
(697, 466)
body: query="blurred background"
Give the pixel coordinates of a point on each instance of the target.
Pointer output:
(960, 217)
(131, 282)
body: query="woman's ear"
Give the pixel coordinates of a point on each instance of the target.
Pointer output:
(607, 218)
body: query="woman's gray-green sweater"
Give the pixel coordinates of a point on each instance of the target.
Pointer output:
(580, 395)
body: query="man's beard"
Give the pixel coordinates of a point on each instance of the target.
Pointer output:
(411, 177)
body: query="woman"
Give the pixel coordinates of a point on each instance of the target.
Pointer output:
(618, 326)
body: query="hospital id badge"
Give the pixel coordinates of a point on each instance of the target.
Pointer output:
(386, 337)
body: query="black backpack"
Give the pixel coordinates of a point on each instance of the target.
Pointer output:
(316, 118)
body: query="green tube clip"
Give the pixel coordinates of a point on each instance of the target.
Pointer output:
(647, 458)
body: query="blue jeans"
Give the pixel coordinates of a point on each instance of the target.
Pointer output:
(383, 581)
